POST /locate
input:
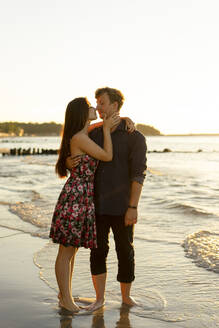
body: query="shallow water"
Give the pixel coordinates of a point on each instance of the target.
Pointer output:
(176, 238)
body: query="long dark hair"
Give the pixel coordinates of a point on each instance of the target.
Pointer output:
(76, 116)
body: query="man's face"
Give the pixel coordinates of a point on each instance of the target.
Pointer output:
(104, 107)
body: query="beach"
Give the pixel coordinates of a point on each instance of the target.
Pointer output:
(27, 302)
(176, 242)
(23, 294)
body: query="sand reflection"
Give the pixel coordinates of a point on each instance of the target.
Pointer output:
(67, 321)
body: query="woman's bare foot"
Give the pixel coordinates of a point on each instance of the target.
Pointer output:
(60, 300)
(68, 305)
(129, 301)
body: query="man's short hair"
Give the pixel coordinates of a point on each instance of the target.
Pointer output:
(114, 95)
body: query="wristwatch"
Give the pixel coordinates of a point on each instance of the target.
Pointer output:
(135, 207)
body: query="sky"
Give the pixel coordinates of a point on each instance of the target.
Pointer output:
(162, 54)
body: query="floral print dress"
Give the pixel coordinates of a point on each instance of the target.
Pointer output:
(73, 222)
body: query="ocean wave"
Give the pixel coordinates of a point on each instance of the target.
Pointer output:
(203, 248)
(160, 241)
(41, 233)
(8, 175)
(9, 227)
(39, 216)
(189, 209)
(30, 160)
(157, 201)
(35, 195)
(32, 194)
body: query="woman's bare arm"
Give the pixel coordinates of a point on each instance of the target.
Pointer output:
(83, 143)
(88, 146)
(130, 125)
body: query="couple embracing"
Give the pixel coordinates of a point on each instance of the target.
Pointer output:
(107, 166)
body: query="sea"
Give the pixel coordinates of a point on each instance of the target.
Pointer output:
(176, 236)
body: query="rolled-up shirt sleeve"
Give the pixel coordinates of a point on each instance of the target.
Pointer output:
(137, 157)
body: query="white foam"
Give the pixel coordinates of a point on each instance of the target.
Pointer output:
(203, 248)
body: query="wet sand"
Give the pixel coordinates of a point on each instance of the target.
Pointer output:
(26, 301)
(23, 295)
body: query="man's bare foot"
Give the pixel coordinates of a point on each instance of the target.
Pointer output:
(95, 306)
(129, 301)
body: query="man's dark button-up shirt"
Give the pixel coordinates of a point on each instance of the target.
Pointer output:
(113, 179)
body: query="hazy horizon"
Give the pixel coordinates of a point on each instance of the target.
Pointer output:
(163, 56)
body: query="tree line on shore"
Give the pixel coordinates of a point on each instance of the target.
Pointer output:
(54, 129)
(31, 129)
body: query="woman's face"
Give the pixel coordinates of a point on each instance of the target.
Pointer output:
(92, 114)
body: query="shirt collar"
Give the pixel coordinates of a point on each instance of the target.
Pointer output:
(121, 126)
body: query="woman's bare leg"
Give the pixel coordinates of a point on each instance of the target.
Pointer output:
(71, 274)
(63, 271)
(72, 270)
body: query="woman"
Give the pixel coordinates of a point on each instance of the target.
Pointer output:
(73, 223)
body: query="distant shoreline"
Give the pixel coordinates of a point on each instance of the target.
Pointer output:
(8, 135)
(49, 129)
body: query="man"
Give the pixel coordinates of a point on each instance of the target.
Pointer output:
(117, 186)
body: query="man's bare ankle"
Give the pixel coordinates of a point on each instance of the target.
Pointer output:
(100, 300)
(128, 300)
